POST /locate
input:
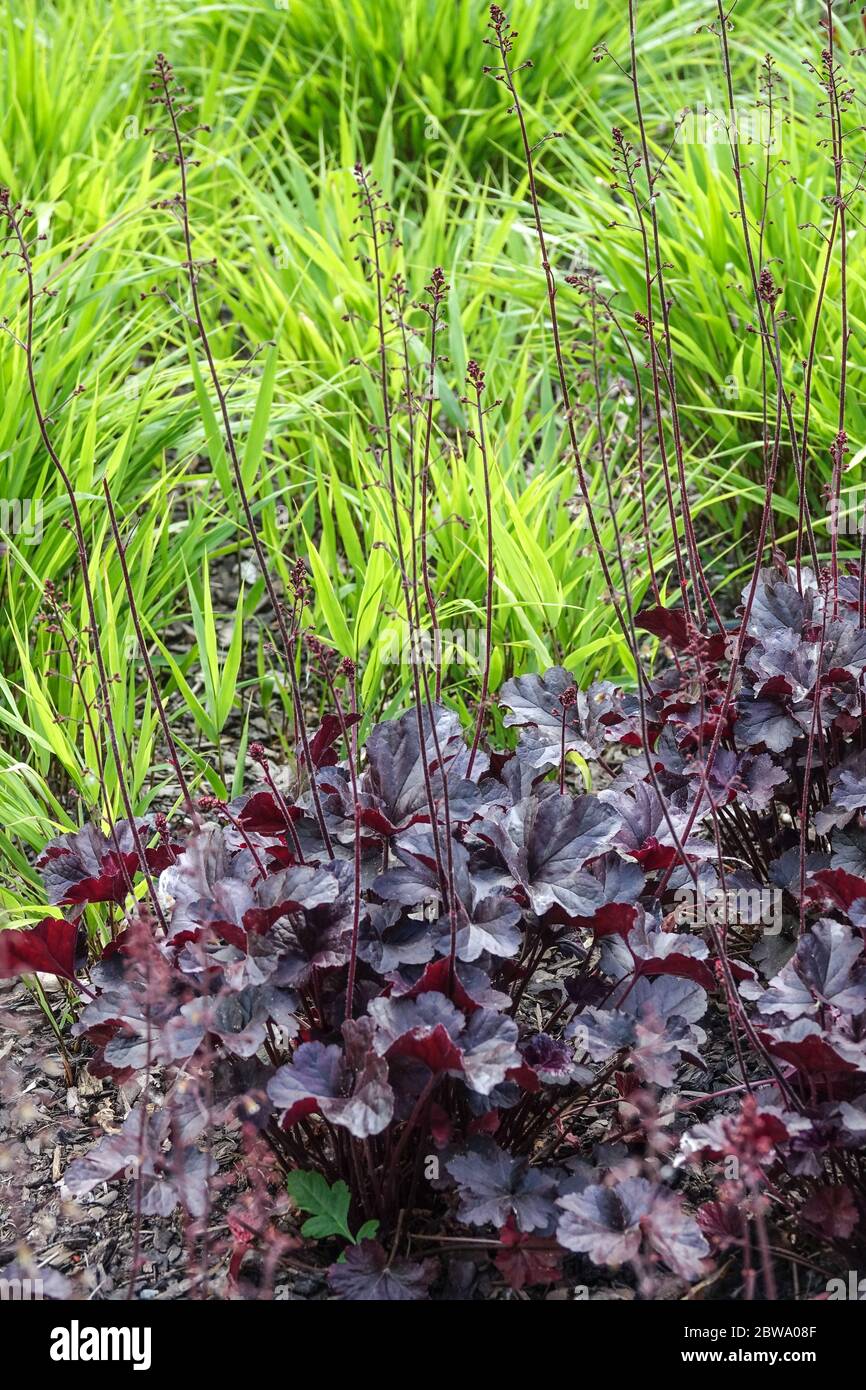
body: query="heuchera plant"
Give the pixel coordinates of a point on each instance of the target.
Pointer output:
(526, 1033)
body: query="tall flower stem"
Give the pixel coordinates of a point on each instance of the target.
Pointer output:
(804, 518)
(436, 291)
(476, 379)
(168, 99)
(13, 214)
(445, 869)
(145, 656)
(698, 577)
(503, 42)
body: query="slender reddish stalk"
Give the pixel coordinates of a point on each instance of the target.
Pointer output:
(145, 656)
(437, 289)
(641, 466)
(814, 726)
(12, 215)
(503, 42)
(839, 209)
(350, 740)
(476, 379)
(647, 323)
(168, 99)
(696, 568)
(446, 877)
(769, 294)
(805, 520)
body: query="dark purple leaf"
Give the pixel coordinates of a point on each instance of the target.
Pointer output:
(427, 1028)
(647, 833)
(494, 1187)
(826, 969)
(844, 650)
(672, 626)
(765, 723)
(779, 605)
(721, 1223)
(591, 721)
(49, 948)
(551, 1059)
(813, 1049)
(839, 889)
(112, 1156)
(395, 775)
(848, 781)
(390, 938)
(322, 752)
(315, 1072)
(260, 812)
(366, 1276)
(137, 1150)
(320, 1078)
(655, 1019)
(784, 665)
(604, 1222)
(493, 928)
(670, 953)
(85, 866)
(527, 1260)
(611, 1225)
(833, 1211)
(849, 852)
(545, 845)
(489, 1047)
(759, 775)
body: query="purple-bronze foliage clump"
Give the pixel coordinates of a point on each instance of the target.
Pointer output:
(587, 966)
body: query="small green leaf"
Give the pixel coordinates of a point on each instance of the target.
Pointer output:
(329, 1206)
(320, 1227)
